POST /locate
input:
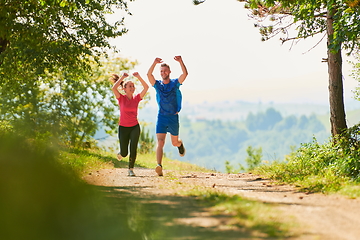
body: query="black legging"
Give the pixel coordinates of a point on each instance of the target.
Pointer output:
(126, 135)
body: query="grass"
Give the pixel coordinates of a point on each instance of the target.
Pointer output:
(327, 182)
(85, 161)
(350, 190)
(327, 168)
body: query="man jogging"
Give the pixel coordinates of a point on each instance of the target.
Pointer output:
(168, 97)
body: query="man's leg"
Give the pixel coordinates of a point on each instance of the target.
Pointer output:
(176, 142)
(159, 152)
(174, 132)
(160, 147)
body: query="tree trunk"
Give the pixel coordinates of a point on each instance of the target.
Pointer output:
(336, 95)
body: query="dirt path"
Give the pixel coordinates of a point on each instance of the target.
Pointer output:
(327, 217)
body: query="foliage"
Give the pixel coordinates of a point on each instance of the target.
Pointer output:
(321, 167)
(349, 146)
(48, 200)
(337, 20)
(83, 161)
(146, 142)
(356, 75)
(5, 127)
(43, 36)
(263, 121)
(68, 105)
(50, 77)
(197, 2)
(253, 160)
(309, 19)
(229, 168)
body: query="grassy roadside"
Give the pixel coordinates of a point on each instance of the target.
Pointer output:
(85, 161)
(254, 218)
(326, 182)
(330, 168)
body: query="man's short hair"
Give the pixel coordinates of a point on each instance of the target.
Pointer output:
(165, 65)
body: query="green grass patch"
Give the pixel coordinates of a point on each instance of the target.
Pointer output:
(84, 161)
(332, 167)
(350, 190)
(149, 161)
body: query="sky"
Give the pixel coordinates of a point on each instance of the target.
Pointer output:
(224, 54)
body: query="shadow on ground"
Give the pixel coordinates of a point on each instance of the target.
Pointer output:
(172, 217)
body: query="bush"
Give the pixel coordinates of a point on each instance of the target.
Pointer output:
(41, 200)
(321, 167)
(146, 142)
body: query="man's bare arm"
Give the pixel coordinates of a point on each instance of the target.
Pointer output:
(151, 70)
(183, 69)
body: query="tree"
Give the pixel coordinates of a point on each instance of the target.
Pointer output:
(338, 20)
(69, 106)
(253, 160)
(50, 53)
(46, 35)
(263, 121)
(254, 157)
(78, 105)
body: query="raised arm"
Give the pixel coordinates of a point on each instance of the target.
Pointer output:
(183, 69)
(151, 70)
(143, 83)
(117, 84)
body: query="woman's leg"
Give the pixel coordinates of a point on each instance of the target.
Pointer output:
(134, 140)
(124, 138)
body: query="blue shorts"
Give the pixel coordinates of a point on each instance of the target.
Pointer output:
(168, 123)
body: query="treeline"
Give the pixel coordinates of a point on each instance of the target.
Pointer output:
(272, 119)
(210, 143)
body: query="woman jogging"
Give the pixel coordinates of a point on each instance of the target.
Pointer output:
(129, 128)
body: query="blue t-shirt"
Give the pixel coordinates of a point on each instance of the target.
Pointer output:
(168, 96)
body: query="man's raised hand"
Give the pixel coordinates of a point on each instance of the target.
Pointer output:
(178, 58)
(158, 60)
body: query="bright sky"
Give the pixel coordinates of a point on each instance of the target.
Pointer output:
(224, 54)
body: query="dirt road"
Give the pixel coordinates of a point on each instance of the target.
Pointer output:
(328, 217)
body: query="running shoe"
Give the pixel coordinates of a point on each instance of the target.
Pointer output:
(158, 170)
(181, 150)
(119, 157)
(131, 173)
